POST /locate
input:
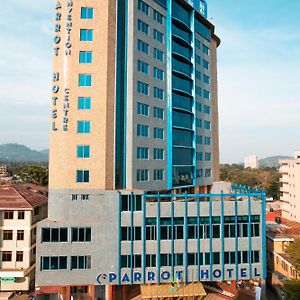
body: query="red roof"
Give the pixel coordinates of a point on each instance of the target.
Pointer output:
(286, 227)
(18, 197)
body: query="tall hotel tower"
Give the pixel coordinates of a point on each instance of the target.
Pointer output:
(134, 133)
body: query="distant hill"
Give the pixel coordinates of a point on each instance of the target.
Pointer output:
(21, 153)
(272, 161)
(45, 151)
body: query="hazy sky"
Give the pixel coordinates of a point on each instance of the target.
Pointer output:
(258, 68)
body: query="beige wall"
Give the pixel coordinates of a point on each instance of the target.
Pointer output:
(63, 161)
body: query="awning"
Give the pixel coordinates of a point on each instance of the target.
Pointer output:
(150, 291)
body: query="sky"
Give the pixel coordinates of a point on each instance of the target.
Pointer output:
(258, 75)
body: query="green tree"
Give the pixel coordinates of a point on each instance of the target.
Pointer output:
(292, 289)
(294, 253)
(34, 174)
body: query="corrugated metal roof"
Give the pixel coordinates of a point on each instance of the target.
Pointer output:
(18, 197)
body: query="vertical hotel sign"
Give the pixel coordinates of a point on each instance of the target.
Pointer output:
(56, 75)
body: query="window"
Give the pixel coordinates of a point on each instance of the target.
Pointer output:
(86, 35)
(87, 13)
(142, 130)
(36, 211)
(157, 54)
(142, 109)
(143, 27)
(143, 67)
(207, 156)
(158, 93)
(8, 215)
(150, 260)
(199, 156)
(158, 36)
(158, 174)
(158, 73)
(207, 140)
(84, 197)
(198, 90)
(158, 16)
(142, 88)
(205, 50)
(6, 255)
(54, 235)
(142, 6)
(85, 80)
(158, 112)
(19, 256)
(199, 173)
(83, 151)
(142, 153)
(80, 262)
(142, 175)
(198, 74)
(143, 47)
(198, 59)
(206, 79)
(85, 57)
(21, 215)
(207, 125)
(199, 139)
(158, 153)
(197, 44)
(20, 235)
(83, 127)
(53, 263)
(158, 133)
(205, 64)
(126, 233)
(7, 235)
(81, 234)
(198, 123)
(207, 172)
(82, 176)
(206, 94)
(207, 109)
(84, 103)
(198, 106)
(126, 202)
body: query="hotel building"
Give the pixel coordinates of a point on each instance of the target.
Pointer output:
(134, 153)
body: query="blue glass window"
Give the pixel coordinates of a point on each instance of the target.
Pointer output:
(142, 109)
(206, 79)
(207, 140)
(158, 16)
(182, 119)
(158, 36)
(199, 173)
(198, 74)
(198, 106)
(202, 30)
(158, 73)
(143, 46)
(182, 156)
(142, 88)
(198, 90)
(83, 151)
(82, 176)
(207, 172)
(207, 109)
(207, 156)
(199, 156)
(86, 35)
(158, 112)
(84, 103)
(158, 174)
(182, 137)
(197, 44)
(205, 50)
(143, 27)
(83, 127)
(198, 59)
(85, 80)
(158, 133)
(158, 153)
(85, 57)
(158, 93)
(205, 64)
(206, 94)
(142, 175)
(87, 13)
(142, 153)
(142, 6)
(198, 122)
(199, 139)
(142, 130)
(157, 54)
(207, 125)
(142, 67)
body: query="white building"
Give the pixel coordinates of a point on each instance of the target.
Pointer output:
(290, 187)
(251, 161)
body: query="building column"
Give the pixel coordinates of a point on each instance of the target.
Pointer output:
(68, 292)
